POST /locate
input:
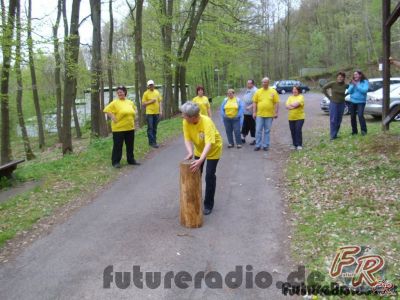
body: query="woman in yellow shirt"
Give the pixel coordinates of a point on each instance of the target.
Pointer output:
(202, 101)
(122, 112)
(232, 110)
(295, 106)
(201, 134)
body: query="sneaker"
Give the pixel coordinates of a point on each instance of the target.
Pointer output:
(134, 163)
(363, 133)
(239, 146)
(243, 141)
(299, 148)
(257, 149)
(117, 166)
(253, 143)
(265, 148)
(230, 146)
(155, 146)
(207, 211)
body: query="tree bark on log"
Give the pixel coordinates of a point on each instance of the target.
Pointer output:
(191, 213)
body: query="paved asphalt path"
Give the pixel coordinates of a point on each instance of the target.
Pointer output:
(136, 222)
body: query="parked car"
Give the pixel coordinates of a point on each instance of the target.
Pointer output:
(375, 99)
(286, 86)
(374, 85)
(275, 84)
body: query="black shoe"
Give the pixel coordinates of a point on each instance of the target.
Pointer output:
(134, 163)
(354, 133)
(257, 149)
(155, 146)
(230, 146)
(266, 148)
(363, 133)
(207, 211)
(117, 166)
(243, 141)
(252, 143)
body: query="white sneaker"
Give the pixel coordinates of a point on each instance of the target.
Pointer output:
(299, 148)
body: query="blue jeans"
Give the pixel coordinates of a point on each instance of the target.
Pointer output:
(152, 122)
(263, 123)
(335, 115)
(357, 109)
(233, 126)
(296, 132)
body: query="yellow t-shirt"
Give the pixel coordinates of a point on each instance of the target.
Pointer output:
(203, 103)
(297, 113)
(266, 100)
(154, 108)
(231, 107)
(202, 133)
(124, 112)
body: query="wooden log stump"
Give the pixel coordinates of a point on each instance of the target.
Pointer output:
(191, 213)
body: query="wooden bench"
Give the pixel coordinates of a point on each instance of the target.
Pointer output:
(7, 169)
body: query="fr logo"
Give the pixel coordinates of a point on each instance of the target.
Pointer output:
(358, 266)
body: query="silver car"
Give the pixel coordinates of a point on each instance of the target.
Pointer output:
(374, 101)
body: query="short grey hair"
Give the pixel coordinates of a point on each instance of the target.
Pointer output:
(190, 109)
(265, 79)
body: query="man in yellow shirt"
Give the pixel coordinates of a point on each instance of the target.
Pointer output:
(151, 100)
(201, 134)
(265, 109)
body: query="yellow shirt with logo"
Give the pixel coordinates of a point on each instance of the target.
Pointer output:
(231, 107)
(296, 113)
(202, 133)
(154, 108)
(203, 103)
(266, 100)
(124, 112)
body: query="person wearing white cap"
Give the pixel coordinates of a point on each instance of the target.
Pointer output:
(151, 100)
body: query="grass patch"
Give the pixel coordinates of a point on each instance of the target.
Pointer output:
(346, 192)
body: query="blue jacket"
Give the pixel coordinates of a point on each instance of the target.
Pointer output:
(240, 110)
(358, 93)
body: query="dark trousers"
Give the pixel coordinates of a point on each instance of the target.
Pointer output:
(357, 109)
(296, 131)
(335, 115)
(152, 122)
(232, 126)
(211, 181)
(249, 125)
(118, 138)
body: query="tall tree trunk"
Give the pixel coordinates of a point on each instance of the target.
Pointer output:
(75, 112)
(166, 33)
(95, 7)
(71, 62)
(136, 14)
(5, 77)
(57, 71)
(110, 53)
(27, 145)
(185, 47)
(36, 102)
(103, 124)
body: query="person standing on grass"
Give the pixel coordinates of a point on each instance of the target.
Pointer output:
(232, 109)
(202, 101)
(122, 112)
(337, 102)
(201, 134)
(295, 105)
(358, 89)
(249, 124)
(265, 109)
(151, 100)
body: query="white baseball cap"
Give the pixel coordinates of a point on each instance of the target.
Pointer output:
(150, 82)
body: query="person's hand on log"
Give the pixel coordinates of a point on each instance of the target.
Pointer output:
(189, 156)
(195, 165)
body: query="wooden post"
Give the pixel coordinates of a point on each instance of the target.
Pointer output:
(191, 214)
